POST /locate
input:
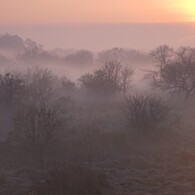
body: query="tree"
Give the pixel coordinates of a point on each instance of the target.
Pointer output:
(35, 53)
(67, 86)
(111, 78)
(12, 89)
(122, 55)
(82, 57)
(114, 54)
(11, 43)
(175, 70)
(146, 112)
(126, 78)
(39, 83)
(37, 128)
(34, 85)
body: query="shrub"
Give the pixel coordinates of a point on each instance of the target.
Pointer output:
(146, 112)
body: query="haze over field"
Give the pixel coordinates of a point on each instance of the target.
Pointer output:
(97, 37)
(100, 24)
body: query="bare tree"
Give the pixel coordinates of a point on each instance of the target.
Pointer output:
(114, 54)
(175, 70)
(37, 127)
(39, 83)
(126, 79)
(162, 55)
(146, 112)
(111, 78)
(12, 89)
(123, 55)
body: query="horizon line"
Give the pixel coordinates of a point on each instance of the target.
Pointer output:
(96, 23)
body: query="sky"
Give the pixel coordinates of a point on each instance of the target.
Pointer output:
(95, 11)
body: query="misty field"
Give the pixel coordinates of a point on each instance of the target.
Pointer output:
(115, 122)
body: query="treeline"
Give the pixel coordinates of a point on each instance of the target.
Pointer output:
(14, 50)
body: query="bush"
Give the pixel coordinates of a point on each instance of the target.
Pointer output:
(146, 112)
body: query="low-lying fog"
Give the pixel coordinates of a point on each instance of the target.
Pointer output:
(18, 52)
(69, 38)
(97, 37)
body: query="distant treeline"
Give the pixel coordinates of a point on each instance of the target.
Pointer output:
(14, 49)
